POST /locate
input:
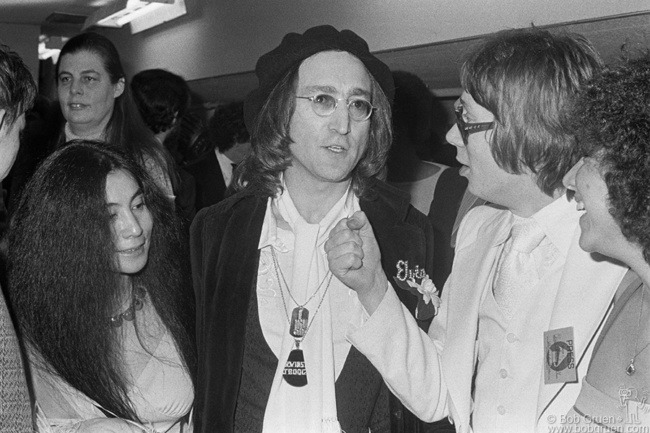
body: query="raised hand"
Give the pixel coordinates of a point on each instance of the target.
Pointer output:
(354, 258)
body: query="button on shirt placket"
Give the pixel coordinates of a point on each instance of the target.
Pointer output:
(502, 312)
(516, 345)
(510, 338)
(517, 273)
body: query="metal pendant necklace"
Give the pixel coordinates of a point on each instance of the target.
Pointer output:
(631, 369)
(295, 370)
(137, 302)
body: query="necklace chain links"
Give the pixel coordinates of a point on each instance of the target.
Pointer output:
(278, 274)
(631, 369)
(137, 302)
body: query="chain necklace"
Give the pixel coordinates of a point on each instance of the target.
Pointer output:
(631, 369)
(137, 302)
(300, 315)
(295, 371)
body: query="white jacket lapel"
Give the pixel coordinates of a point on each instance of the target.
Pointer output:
(479, 241)
(586, 289)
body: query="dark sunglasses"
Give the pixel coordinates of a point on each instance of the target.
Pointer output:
(469, 128)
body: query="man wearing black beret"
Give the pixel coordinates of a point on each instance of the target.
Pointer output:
(271, 318)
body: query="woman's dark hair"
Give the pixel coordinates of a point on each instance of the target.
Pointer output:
(612, 122)
(271, 137)
(162, 98)
(125, 126)
(226, 126)
(528, 78)
(62, 279)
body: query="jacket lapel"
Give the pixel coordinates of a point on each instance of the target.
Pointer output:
(398, 241)
(210, 185)
(232, 281)
(237, 272)
(588, 281)
(476, 257)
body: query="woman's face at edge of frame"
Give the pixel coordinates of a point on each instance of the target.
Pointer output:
(131, 222)
(599, 231)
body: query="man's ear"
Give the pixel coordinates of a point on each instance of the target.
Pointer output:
(118, 88)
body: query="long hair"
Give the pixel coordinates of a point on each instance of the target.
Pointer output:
(271, 137)
(125, 125)
(528, 78)
(62, 280)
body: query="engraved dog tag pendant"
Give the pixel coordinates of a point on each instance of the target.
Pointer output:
(295, 372)
(299, 321)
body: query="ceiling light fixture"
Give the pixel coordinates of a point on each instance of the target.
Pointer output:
(121, 12)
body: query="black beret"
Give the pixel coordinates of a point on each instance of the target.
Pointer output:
(295, 48)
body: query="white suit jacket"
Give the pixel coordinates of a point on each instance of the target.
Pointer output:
(432, 375)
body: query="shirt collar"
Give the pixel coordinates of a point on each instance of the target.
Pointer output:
(225, 164)
(282, 215)
(557, 219)
(69, 135)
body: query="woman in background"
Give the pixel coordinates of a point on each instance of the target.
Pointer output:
(612, 185)
(100, 286)
(97, 104)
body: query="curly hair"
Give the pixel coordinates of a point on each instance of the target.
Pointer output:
(612, 122)
(62, 281)
(271, 137)
(528, 78)
(17, 87)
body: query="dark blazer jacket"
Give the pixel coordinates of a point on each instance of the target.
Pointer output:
(210, 186)
(224, 240)
(443, 212)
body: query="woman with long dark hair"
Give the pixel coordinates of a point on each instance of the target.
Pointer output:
(100, 286)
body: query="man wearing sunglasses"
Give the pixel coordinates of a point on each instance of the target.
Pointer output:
(523, 303)
(271, 318)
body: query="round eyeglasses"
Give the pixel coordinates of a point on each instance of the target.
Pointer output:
(324, 105)
(469, 128)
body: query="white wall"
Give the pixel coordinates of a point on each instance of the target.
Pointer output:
(221, 37)
(22, 39)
